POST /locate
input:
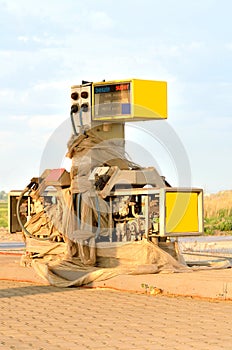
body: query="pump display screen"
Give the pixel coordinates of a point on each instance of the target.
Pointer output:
(112, 100)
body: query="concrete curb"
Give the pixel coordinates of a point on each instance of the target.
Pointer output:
(209, 284)
(213, 284)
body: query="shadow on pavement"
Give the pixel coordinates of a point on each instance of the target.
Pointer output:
(31, 290)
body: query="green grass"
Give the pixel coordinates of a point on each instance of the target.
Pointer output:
(221, 221)
(3, 214)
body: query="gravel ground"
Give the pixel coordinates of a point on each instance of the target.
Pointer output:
(5, 236)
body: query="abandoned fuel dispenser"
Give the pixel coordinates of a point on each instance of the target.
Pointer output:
(134, 210)
(106, 197)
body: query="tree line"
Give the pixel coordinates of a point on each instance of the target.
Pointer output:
(3, 195)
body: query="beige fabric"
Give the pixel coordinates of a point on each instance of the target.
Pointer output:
(83, 261)
(140, 257)
(88, 152)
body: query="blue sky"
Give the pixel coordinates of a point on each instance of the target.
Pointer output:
(47, 46)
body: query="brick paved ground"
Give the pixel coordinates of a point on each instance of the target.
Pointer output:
(43, 317)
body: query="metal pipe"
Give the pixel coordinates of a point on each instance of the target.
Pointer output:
(207, 254)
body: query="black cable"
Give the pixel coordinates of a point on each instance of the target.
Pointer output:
(73, 124)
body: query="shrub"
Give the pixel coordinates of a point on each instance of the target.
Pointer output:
(3, 214)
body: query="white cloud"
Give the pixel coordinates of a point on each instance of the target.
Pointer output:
(18, 117)
(47, 40)
(228, 46)
(174, 51)
(26, 8)
(23, 38)
(47, 85)
(6, 135)
(5, 93)
(8, 145)
(100, 20)
(195, 46)
(47, 122)
(165, 50)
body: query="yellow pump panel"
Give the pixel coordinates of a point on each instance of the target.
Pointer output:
(129, 100)
(182, 212)
(149, 99)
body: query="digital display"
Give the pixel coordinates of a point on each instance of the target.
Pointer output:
(112, 100)
(111, 88)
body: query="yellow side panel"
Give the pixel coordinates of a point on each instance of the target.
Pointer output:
(182, 212)
(150, 99)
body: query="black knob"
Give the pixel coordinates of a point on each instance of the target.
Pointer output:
(74, 108)
(84, 94)
(75, 96)
(84, 107)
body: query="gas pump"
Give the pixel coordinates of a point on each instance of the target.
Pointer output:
(110, 198)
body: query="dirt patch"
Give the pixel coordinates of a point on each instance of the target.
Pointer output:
(5, 236)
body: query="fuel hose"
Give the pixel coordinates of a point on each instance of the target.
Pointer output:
(73, 124)
(75, 110)
(25, 231)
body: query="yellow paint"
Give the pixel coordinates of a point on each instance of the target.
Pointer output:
(148, 100)
(182, 212)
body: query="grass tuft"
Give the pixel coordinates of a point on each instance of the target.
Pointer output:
(3, 214)
(218, 213)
